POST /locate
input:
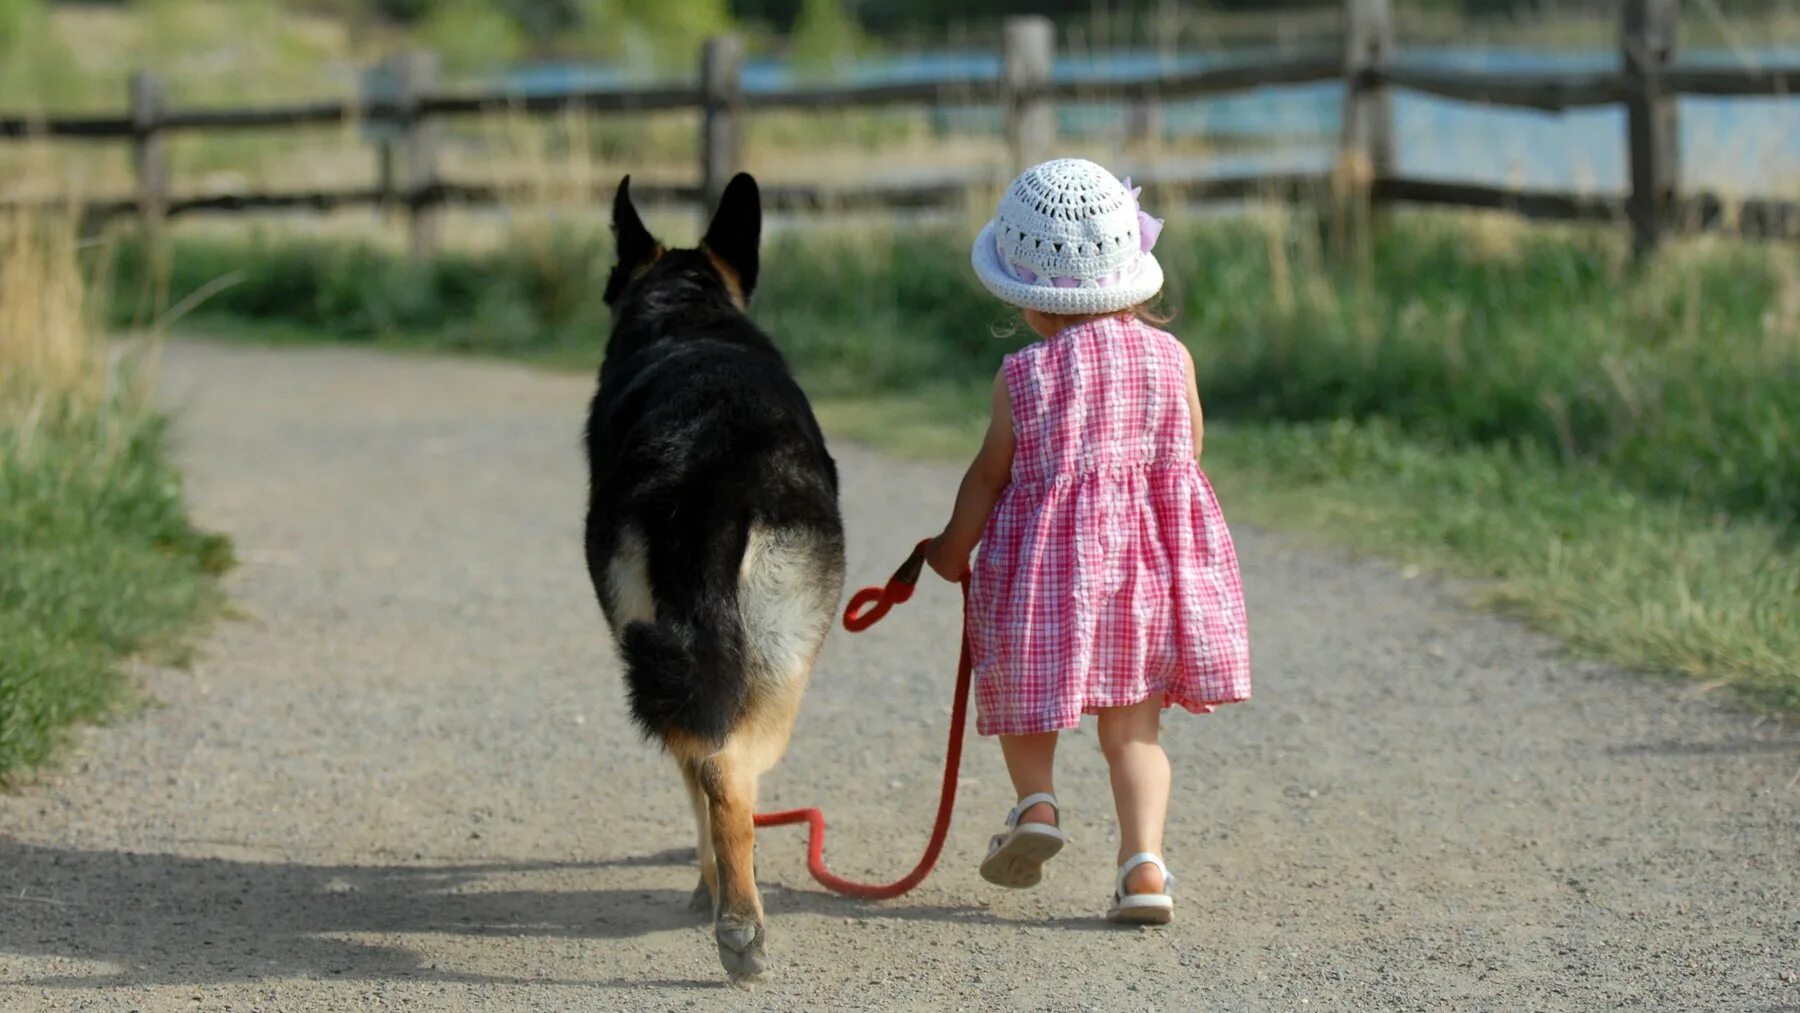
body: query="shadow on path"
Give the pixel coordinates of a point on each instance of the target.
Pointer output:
(168, 919)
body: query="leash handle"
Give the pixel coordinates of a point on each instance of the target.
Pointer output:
(868, 606)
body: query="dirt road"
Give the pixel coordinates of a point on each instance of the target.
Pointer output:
(402, 778)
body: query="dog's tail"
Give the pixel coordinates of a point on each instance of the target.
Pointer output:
(686, 672)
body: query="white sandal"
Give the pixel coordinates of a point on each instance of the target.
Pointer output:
(1016, 858)
(1142, 908)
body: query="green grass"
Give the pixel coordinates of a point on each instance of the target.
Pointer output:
(1617, 446)
(537, 297)
(97, 563)
(1618, 575)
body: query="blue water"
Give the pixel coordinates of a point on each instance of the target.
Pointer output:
(1744, 146)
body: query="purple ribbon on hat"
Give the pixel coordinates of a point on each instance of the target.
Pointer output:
(1148, 228)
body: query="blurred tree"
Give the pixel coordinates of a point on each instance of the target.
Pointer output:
(20, 21)
(397, 10)
(886, 15)
(825, 36)
(544, 20)
(472, 34)
(35, 68)
(776, 15)
(660, 33)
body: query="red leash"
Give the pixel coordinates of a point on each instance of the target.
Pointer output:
(865, 610)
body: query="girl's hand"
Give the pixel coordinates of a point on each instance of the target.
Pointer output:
(943, 561)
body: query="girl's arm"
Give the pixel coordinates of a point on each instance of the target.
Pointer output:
(981, 487)
(1194, 403)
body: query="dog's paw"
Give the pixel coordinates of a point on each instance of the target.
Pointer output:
(740, 948)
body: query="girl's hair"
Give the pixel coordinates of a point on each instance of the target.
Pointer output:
(1150, 311)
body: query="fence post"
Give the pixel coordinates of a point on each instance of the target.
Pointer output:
(1028, 56)
(1366, 148)
(149, 148)
(1144, 125)
(1647, 41)
(1368, 127)
(386, 182)
(418, 78)
(721, 94)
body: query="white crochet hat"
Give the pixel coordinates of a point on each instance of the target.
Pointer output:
(1069, 238)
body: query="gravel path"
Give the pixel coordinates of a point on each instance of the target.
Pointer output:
(402, 777)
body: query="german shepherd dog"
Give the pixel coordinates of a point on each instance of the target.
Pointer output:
(714, 539)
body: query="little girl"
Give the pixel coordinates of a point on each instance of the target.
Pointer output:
(1106, 583)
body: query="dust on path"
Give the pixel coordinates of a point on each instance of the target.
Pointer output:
(404, 779)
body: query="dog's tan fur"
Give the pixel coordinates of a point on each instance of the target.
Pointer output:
(734, 283)
(787, 599)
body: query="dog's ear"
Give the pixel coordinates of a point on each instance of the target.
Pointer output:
(633, 244)
(735, 233)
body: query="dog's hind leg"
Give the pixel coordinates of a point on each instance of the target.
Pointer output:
(705, 894)
(730, 786)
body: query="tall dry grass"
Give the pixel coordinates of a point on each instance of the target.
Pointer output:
(58, 374)
(97, 558)
(51, 361)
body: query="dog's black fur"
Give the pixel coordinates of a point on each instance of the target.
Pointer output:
(697, 435)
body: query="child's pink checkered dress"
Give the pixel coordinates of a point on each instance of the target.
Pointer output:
(1106, 573)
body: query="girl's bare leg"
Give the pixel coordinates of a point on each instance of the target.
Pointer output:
(1140, 784)
(1031, 760)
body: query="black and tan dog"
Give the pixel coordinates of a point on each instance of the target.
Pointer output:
(713, 534)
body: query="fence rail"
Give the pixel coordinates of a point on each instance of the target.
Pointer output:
(1646, 84)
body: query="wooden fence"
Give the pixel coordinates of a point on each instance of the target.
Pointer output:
(1647, 83)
